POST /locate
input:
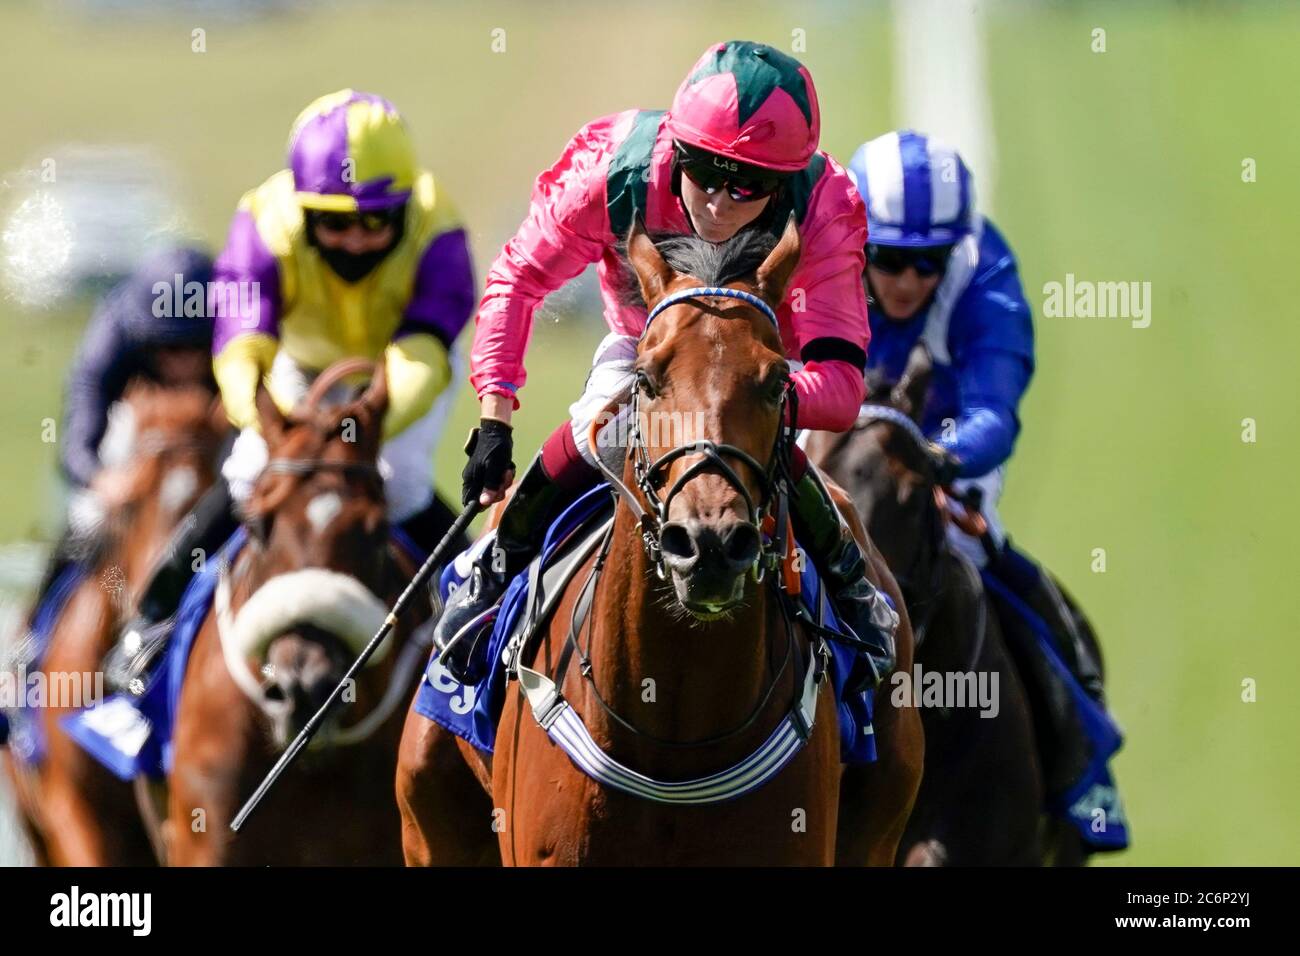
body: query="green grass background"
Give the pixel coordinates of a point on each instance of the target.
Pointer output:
(1124, 165)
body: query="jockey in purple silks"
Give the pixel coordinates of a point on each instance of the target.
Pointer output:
(352, 251)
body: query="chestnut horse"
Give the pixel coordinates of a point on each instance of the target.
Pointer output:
(981, 799)
(291, 612)
(682, 669)
(168, 438)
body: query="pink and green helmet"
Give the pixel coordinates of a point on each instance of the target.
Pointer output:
(351, 152)
(749, 102)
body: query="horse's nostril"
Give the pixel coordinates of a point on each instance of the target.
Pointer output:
(741, 544)
(676, 542)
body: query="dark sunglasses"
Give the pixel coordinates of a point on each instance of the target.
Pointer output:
(711, 173)
(928, 261)
(369, 221)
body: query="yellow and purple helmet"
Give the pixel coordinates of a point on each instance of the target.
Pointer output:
(750, 103)
(351, 152)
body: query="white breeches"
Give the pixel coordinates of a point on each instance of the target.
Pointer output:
(991, 485)
(610, 380)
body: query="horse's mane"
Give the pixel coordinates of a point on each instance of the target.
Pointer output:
(713, 263)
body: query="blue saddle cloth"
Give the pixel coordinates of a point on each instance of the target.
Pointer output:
(472, 712)
(1092, 803)
(20, 727)
(132, 736)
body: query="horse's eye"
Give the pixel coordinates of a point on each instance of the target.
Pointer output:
(774, 389)
(644, 384)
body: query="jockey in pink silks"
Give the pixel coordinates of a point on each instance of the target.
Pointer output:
(733, 159)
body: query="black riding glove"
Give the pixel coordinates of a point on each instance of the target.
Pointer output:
(489, 447)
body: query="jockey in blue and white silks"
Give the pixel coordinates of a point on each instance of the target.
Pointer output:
(940, 273)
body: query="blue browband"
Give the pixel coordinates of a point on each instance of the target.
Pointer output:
(700, 292)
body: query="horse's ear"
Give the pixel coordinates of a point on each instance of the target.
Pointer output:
(878, 386)
(652, 272)
(779, 265)
(273, 420)
(910, 393)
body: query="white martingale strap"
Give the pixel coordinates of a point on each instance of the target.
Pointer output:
(565, 728)
(699, 292)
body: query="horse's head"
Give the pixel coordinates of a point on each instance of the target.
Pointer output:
(711, 390)
(160, 454)
(320, 500)
(884, 463)
(318, 520)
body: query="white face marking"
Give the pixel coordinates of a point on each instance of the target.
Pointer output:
(178, 487)
(119, 436)
(323, 509)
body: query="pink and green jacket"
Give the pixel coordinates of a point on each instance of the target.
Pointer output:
(620, 166)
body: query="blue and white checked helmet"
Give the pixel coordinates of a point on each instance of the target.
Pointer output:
(917, 190)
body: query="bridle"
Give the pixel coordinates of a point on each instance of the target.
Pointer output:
(310, 466)
(306, 468)
(650, 474)
(411, 654)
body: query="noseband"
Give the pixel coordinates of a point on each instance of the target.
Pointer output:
(652, 473)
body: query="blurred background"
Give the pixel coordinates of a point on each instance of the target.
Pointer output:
(1161, 157)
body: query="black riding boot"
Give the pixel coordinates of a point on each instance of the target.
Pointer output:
(861, 605)
(206, 528)
(1064, 747)
(426, 528)
(537, 500)
(1035, 586)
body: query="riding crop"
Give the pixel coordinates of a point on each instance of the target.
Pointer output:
(318, 719)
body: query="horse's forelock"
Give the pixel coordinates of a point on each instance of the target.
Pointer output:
(712, 263)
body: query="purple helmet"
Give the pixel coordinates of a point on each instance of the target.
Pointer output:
(351, 152)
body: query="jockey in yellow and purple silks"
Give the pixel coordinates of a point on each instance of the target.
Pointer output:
(352, 251)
